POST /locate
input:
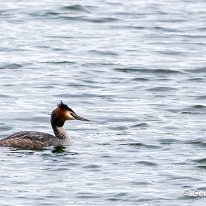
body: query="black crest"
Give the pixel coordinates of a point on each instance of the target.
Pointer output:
(61, 105)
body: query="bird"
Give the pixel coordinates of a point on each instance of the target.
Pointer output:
(33, 140)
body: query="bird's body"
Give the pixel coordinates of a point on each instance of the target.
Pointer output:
(39, 140)
(32, 140)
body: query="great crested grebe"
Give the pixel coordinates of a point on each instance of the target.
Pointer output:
(38, 140)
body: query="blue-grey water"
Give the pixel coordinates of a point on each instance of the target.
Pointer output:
(136, 69)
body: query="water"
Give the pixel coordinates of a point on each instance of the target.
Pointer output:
(136, 69)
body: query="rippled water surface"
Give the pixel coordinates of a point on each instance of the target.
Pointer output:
(136, 69)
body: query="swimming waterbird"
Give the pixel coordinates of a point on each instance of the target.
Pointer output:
(38, 140)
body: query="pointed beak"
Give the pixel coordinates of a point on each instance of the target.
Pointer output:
(77, 117)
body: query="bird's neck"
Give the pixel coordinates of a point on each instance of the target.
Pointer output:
(59, 130)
